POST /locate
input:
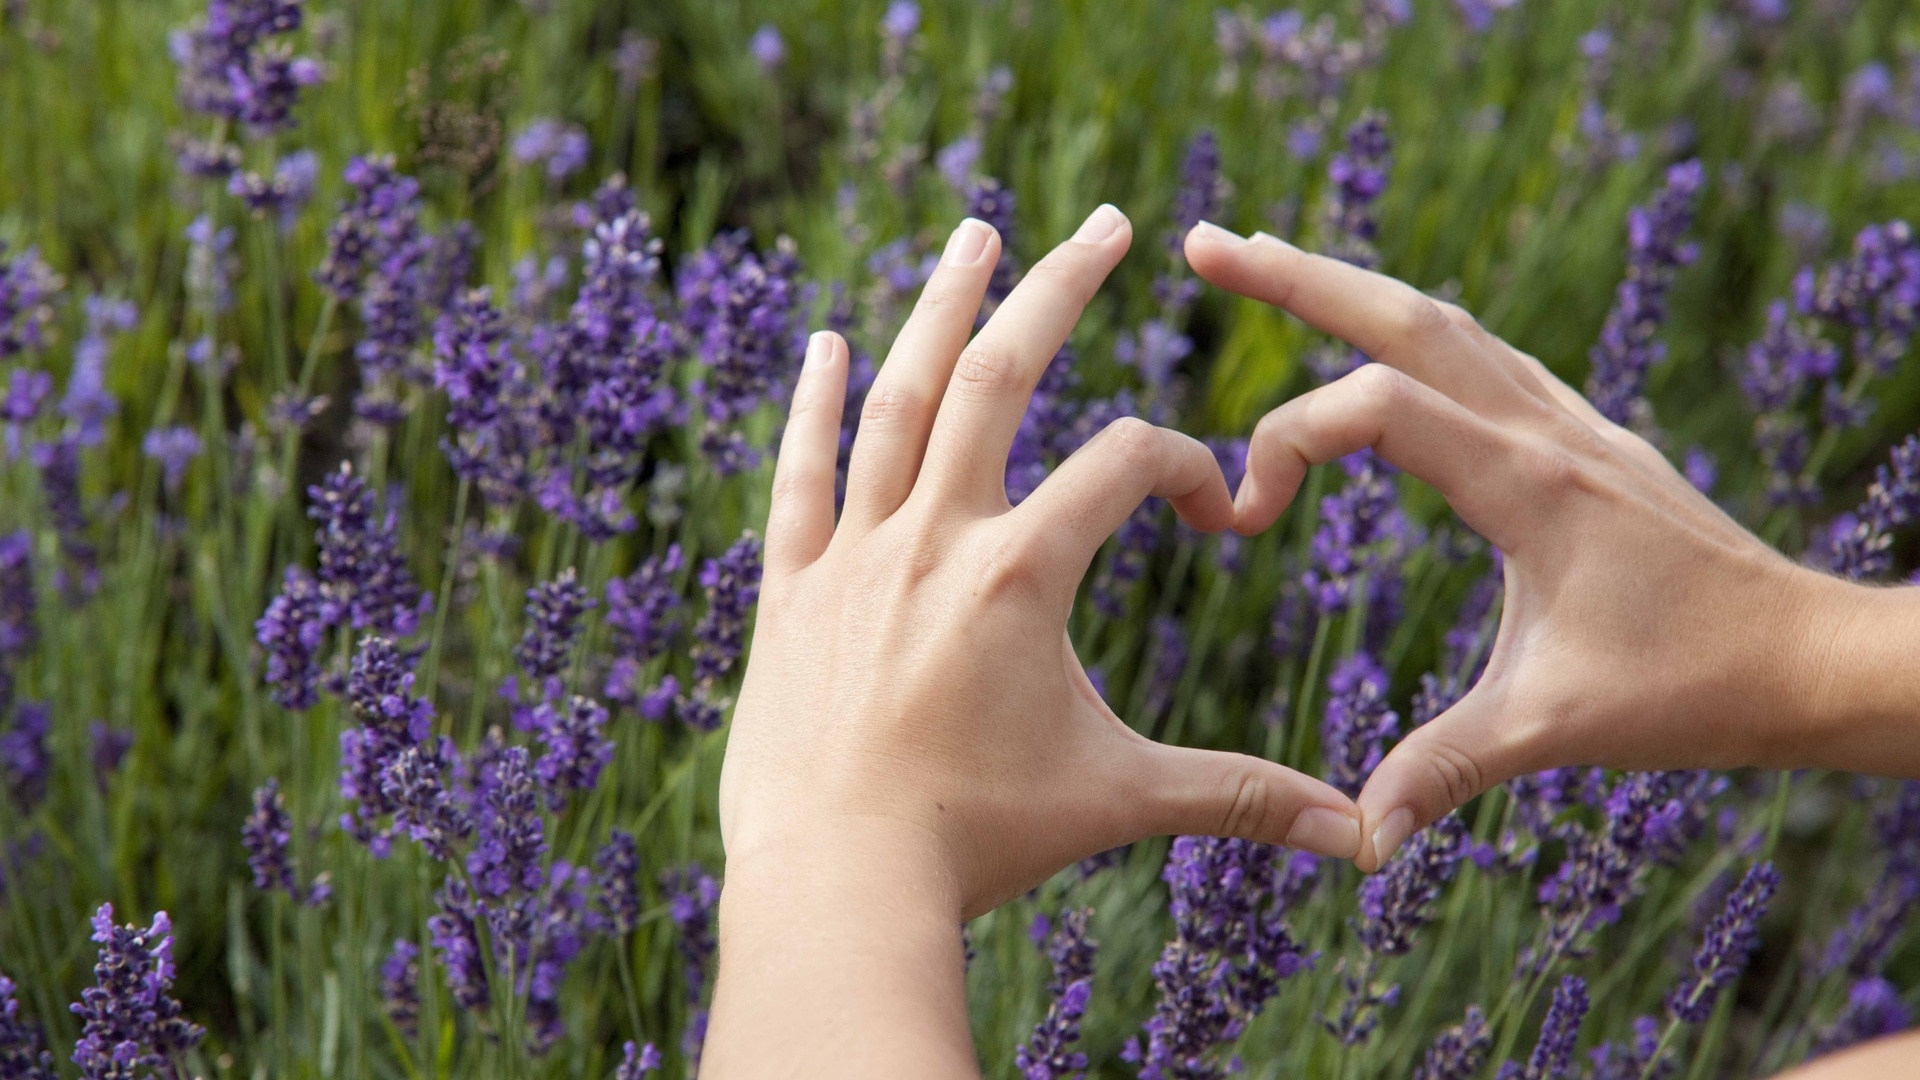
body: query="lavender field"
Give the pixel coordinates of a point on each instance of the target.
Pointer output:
(389, 399)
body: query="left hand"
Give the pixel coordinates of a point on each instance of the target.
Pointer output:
(911, 675)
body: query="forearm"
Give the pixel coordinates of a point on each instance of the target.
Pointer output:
(1862, 708)
(840, 956)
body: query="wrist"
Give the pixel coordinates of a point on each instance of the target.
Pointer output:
(1856, 703)
(848, 864)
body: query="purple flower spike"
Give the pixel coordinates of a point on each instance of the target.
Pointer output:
(24, 759)
(27, 291)
(231, 70)
(743, 312)
(174, 448)
(1860, 543)
(1358, 722)
(1459, 1051)
(575, 747)
(294, 631)
(510, 836)
(129, 1021)
(637, 1062)
(732, 585)
(23, 1049)
(1203, 191)
(1049, 1053)
(616, 885)
(267, 835)
(1359, 177)
(768, 48)
(1362, 533)
(361, 564)
(400, 987)
(1628, 346)
(554, 610)
(1552, 1057)
(1730, 940)
(1874, 1009)
(474, 363)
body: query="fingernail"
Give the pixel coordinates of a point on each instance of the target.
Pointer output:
(1215, 232)
(1324, 831)
(1391, 834)
(968, 242)
(819, 347)
(1102, 223)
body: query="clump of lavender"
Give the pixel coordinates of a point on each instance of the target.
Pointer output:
(554, 610)
(637, 1061)
(1359, 177)
(283, 194)
(1874, 1008)
(574, 747)
(293, 631)
(1859, 544)
(1202, 192)
(560, 148)
(129, 1020)
(743, 313)
(732, 585)
(510, 838)
(400, 987)
(616, 885)
(1362, 535)
(23, 1049)
(993, 203)
(1729, 941)
(1657, 248)
(361, 564)
(1395, 904)
(488, 441)
(692, 896)
(1467, 645)
(643, 613)
(1358, 722)
(1552, 1057)
(1230, 950)
(24, 758)
(1049, 1053)
(390, 722)
(174, 448)
(28, 288)
(231, 69)
(1458, 1052)
(267, 834)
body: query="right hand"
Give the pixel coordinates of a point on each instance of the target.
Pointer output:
(1642, 628)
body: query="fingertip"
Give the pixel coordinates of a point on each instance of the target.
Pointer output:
(1386, 837)
(1326, 830)
(1206, 244)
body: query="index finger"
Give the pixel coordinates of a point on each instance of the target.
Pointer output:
(1389, 320)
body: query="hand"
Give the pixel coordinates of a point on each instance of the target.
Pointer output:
(1642, 628)
(910, 670)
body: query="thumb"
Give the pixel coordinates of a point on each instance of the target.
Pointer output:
(1210, 793)
(1440, 766)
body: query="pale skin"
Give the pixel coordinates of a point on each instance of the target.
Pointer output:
(916, 741)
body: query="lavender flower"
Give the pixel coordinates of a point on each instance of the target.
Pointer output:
(282, 195)
(561, 147)
(174, 448)
(1874, 295)
(1860, 542)
(390, 721)
(1049, 1053)
(361, 564)
(110, 747)
(1359, 177)
(267, 834)
(28, 288)
(556, 936)
(768, 48)
(1358, 722)
(692, 896)
(575, 747)
(1657, 250)
(897, 28)
(23, 1049)
(293, 631)
(988, 201)
(643, 612)
(1467, 646)
(1552, 1057)
(210, 265)
(414, 786)
(510, 839)
(1231, 948)
(1203, 191)
(554, 609)
(24, 758)
(1874, 1008)
(1731, 938)
(381, 212)
(455, 933)
(743, 312)
(1362, 533)
(230, 70)
(400, 987)
(1459, 1051)
(489, 441)
(732, 585)
(128, 1019)
(87, 404)
(637, 1061)
(1398, 901)
(18, 601)
(616, 885)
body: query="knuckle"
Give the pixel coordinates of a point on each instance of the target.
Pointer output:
(793, 482)
(889, 405)
(1133, 440)
(1013, 567)
(1456, 772)
(1550, 467)
(1249, 804)
(1419, 319)
(1381, 386)
(1458, 317)
(983, 371)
